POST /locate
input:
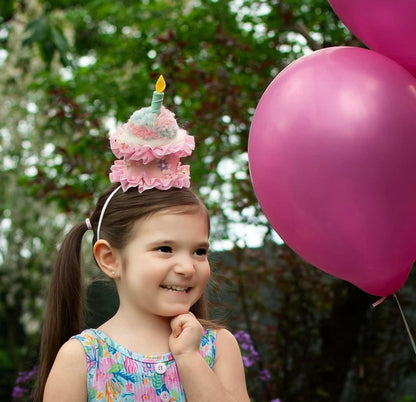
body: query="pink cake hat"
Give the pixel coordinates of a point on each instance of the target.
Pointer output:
(149, 147)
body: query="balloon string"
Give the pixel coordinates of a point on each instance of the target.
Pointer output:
(405, 323)
(378, 302)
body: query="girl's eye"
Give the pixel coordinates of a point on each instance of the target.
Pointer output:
(201, 251)
(165, 249)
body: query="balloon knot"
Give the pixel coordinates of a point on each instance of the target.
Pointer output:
(378, 302)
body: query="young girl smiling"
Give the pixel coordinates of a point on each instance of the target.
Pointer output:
(151, 236)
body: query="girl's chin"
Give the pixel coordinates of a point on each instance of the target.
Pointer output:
(174, 312)
(178, 312)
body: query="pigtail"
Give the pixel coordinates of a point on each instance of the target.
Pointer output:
(64, 307)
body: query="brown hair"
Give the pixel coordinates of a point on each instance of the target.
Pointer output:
(64, 308)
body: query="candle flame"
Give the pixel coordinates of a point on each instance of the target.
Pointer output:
(160, 84)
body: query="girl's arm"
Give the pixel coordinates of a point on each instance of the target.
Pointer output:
(67, 380)
(225, 382)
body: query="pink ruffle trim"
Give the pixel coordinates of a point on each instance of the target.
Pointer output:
(147, 153)
(179, 178)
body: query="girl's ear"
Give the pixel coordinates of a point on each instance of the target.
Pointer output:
(108, 258)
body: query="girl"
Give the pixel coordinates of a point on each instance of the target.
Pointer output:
(151, 237)
(158, 346)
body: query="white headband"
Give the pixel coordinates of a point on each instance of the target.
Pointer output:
(100, 220)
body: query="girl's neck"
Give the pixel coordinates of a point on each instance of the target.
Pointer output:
(147, 335)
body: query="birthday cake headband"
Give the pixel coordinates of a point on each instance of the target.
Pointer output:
(149, 147)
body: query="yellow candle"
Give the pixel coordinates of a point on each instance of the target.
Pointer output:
(158, 95)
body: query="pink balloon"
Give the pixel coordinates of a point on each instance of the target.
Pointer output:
(386, 26)
(332, 154)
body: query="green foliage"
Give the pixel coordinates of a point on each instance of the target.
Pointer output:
(49, 38)
(407, 398)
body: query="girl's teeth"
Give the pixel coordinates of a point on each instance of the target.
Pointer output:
(175, 288)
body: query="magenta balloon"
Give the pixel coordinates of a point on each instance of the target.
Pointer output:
(386, 26)
(332, 154)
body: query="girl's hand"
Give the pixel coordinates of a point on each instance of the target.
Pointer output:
(186, 335)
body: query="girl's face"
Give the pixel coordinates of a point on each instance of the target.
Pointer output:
(165, 265)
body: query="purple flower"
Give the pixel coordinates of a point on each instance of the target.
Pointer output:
(24, 383)
(250, 355)
(250, 360)
(18, 392)
(163, 164)
(264, 375)
(243, 337)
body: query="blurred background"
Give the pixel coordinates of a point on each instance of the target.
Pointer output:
(71, 71)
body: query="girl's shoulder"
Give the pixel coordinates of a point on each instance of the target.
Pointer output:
(224, 336)
(229, 365)
(226, 345)
(71, 351)
(97, 344)
(87, 336)
(67, 379)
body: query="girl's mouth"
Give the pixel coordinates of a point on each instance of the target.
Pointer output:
(173, 288)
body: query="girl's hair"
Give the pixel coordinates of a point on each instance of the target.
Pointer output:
(64, 307)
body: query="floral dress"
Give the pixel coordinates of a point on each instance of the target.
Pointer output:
(117, 374)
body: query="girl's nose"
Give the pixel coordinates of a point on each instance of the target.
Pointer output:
(184, 265)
